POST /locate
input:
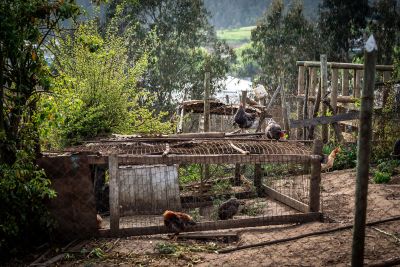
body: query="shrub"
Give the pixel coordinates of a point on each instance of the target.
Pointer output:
(381, 177)
(23, 216)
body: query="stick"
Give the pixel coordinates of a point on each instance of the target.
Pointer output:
(387, 233)
(112, 246)
(54, 259)
(241, 151)
(267, 243)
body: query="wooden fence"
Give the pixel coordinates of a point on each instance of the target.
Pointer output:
(340, 98)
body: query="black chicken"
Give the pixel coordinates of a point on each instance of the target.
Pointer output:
(273, 130)
(243, 119)
(228, 209)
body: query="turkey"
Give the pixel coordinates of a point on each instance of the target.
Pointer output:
(245, 120)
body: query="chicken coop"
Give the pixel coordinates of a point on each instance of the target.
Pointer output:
(276, 182)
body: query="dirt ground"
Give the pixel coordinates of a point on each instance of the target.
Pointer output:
(334, 249)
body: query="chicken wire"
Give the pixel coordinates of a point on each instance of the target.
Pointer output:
(144, 195)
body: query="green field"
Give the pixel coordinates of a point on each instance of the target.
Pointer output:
(236, 36)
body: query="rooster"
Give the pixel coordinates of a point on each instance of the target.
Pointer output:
(177, 222)
(243, 119)
(274, 130)
(228, 209)
(331, 158)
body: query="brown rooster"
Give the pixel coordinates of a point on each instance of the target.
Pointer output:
(331, 158)
(177, 221)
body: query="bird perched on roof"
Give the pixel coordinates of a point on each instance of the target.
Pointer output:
(330, 160)
(177, 221)
(273, 130)
(245, 120)
(228, 209)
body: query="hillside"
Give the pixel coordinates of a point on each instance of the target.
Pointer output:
(240, 13)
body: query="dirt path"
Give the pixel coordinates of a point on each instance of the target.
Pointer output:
(324, 250)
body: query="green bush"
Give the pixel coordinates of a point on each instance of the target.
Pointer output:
(24, 218)
(388, 166)
(381, 177)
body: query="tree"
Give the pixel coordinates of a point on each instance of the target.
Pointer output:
(179, 41)
(279, 40)
(341, 25)
(385, 25)
(25, 28)
(95, 91)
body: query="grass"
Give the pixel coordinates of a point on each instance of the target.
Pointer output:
(235, 36)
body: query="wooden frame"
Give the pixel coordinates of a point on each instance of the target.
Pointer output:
(218, 225)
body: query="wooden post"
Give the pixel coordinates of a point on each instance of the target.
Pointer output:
(345, 82)
(313, 81)
(300, 91)
(238, 169)
(207, 102)
(363, 153)
(237, 175)
(258, 180)
(206, 173)
(335, 85)
(315, 180)
(357, 86)
(324, 87)
(114, 193)
(285, 110)
(315, 112)
(305, 102)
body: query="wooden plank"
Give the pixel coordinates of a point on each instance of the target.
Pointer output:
(313, 81)
(315, 180)
(324, 120)
(339, 99)
(315, 111)
(214, 159)
(114, 193)
(324, 89)
(291, 202)
(224, 236)
(340, 65)
(217, 225)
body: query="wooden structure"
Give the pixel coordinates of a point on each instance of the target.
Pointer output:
(139, 151)
(345, 80)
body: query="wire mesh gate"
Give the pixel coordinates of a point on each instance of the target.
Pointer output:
(275, 183)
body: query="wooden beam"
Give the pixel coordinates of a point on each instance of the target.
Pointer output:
(218, 225)
(339, 99)
(207, 102)
(291, 202)
(114, 193)
(324, 120)
(339, 65)
(214, 159)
